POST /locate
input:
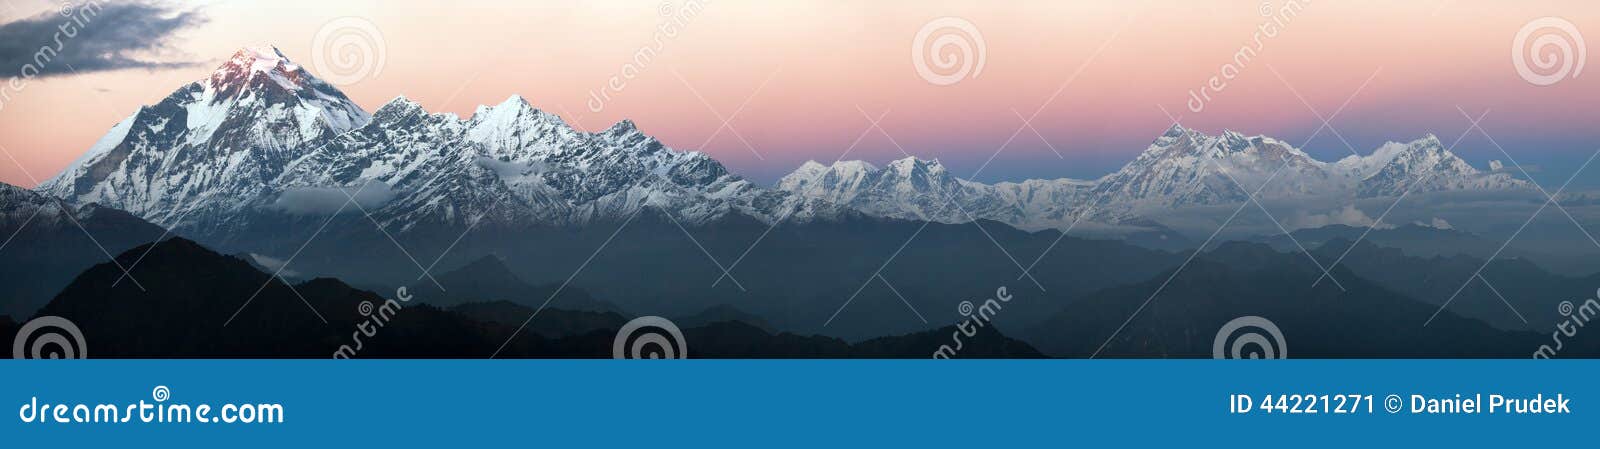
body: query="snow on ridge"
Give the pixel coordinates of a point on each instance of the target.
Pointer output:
(247, 143)
(1181, 168)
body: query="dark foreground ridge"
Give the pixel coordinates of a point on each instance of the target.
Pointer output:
(203, 304)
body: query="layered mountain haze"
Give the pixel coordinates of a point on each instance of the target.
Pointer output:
(1364, 319)
(1182, 168)
(488, 279)
(198, 303)
(45, 242)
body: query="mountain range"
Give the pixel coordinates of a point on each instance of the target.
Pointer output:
(1182, 168)
(262, 143)
(493, 217)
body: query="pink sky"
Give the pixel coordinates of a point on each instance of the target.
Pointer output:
(825, 61)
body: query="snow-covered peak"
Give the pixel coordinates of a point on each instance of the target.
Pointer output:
(1423, 165)
(1364, 166)
(1234, 142)
(1427, 146)
(262, 58)
(212, 143)
(514, 112)
(855, 166)
(21, 207)
(1178, 141)
(622, 127)
(838, 166)
(398, 107)
(811, 173)
(911, 166)
(515, 130)
(253, 63)
(1176, 130)
(918, 189)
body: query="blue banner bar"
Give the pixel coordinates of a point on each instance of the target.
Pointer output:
(820, 403)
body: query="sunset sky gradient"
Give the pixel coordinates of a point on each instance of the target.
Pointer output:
(821, 67)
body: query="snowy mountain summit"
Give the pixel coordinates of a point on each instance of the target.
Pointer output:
(212, 143)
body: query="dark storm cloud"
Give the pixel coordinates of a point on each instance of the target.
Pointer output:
(92, 36)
